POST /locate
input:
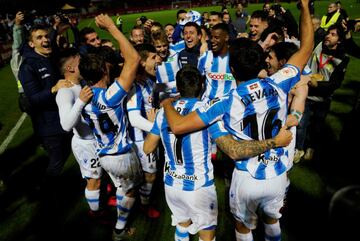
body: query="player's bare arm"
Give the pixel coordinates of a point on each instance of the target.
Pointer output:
(300, 58)
(180, 124)
(150, 143)
(130, 55)
(246, 149)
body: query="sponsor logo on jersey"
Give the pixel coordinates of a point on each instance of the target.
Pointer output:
(182, 176)
(221, 76)
(100, 106)
(271, 158)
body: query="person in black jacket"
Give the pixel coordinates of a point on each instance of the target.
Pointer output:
(39, 78)
(192, 37)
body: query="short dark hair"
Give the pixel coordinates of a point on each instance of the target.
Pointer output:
(284, 50)
(222, 26)
(92, 68)
(195, 25)
(85, 31)
(34, 28)
(246, 59)
(260, 14)
(64, 56)
(144, 50)
(339, 30)
(189, 81)
(180, 12)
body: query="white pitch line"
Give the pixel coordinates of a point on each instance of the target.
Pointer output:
(12, 133)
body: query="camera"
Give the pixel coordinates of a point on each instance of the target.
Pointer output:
(63, 18)
(143, 19)
(311, 6)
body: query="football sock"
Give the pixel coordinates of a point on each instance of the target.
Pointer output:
(272, 232)
(145, 191)
(181, 233)
(92, 198)
(124, 205)
(243, 236)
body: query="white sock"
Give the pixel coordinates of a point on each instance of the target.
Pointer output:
(272, 232)
(181, 233)
(92, 198)
(124, 205)
(243, 236)
(145, 191)
(211, 240)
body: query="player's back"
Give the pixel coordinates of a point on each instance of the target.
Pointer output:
(257, 112)
(107, 117)
(188, 157)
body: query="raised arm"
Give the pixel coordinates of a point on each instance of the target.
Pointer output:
(180, 124)
(245, 149)
(129, 53)
(300, 58)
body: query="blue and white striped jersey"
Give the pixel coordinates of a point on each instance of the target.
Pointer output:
(140, 98)
(256, 110)
(187, 157)
(107, 117)
(166, 72)
(219, 80)
(177, 47)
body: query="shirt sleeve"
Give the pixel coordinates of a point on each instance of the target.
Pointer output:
(214, 110)
(287, 77)
(155, 128)
(115, 94)
(217, 130)
(69, 108)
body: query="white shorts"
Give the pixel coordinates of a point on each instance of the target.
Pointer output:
(85, 154)
(124, 170)
(199, 206)
(249, 195)
(148, 162)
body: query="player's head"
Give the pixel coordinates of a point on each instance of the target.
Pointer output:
(258, 23)
(137, 35)
(89, 36)
(160, 41)
(278, 55)
(334, 36)
(189, 81)
(246, 59)
(69, 63)
(219, 38)
(93, 68)
(192, 34)
(147, 54)
(39, 40)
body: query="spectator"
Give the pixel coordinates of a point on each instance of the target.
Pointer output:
(258, 23)
(332, 17)
(89, 39)
(242, 19)
(137, 35)
(328, 64)
(192, 36)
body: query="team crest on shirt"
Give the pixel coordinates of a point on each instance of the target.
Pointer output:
(287, 72)
(253, 87)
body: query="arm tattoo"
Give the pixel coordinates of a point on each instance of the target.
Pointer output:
(243, 149)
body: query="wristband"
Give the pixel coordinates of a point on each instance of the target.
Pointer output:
(297, 114)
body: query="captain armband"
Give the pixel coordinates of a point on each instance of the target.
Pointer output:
(297, 114)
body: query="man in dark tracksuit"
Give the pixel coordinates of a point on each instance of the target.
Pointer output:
(39, 79)
(192, 38)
